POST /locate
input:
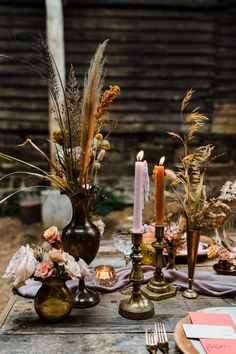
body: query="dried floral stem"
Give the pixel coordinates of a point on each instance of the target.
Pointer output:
(92, 92)
(192, 165)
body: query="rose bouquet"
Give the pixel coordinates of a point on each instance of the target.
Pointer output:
(40, 262)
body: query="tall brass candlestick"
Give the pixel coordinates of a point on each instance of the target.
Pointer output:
(158, 288)
(136, 307)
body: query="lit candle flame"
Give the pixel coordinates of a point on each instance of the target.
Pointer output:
(162, 160)
(140, 155)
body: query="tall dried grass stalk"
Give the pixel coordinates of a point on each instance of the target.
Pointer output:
(92, 92)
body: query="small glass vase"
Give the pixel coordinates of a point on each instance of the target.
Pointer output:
(193, 238)
(54, 301)
(171, 251)
(81, 239)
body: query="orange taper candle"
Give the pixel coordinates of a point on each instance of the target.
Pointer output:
(158, 177)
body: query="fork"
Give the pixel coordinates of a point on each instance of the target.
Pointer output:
(151, 341)
(161, 336)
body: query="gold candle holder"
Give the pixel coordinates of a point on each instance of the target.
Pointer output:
(158, 288)
(136, 307)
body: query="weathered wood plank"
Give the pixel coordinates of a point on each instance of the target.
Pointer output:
(71, 11)
(177, 3)
(121, 343)
(103, 318)
(7, 309)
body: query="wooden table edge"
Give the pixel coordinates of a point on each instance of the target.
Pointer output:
(7, 309)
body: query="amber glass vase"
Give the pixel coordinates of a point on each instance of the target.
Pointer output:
(53, 301)
(81, 239)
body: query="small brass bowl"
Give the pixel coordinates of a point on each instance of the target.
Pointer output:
(105, 275)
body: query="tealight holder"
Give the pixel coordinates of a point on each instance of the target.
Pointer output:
(105, 275)
(158, 288)
(136, 307)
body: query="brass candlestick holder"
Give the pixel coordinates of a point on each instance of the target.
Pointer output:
(158, 288)
(136, 307)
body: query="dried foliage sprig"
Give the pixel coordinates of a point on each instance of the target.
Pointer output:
(91, 100)
(192, 166)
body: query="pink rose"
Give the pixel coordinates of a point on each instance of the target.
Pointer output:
(44, 269)
(52, 235)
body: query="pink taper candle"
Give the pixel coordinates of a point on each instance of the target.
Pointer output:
(138, 193)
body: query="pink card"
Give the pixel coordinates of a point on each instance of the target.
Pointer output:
(219, 346)
(215, 346)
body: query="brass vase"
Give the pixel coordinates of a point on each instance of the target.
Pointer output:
(53, 301)
(81, 239)
(193, 238)
(171, 252)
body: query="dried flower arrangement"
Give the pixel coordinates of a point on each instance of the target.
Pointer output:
(79, 142)
(216, 211)
(42, 262)
(173, 235)
(222, 253)
(192, 168)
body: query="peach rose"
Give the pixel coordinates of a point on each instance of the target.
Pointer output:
(57, 255)
(52, 235)
(44, 269)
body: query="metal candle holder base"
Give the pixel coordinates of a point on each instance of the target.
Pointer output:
(85, 297)
(137, 307)
(158, 288)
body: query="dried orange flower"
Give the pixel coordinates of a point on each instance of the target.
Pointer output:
(106, 101)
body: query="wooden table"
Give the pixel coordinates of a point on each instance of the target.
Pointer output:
(99, 329)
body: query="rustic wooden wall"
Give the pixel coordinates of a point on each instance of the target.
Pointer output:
(23, 96)
(158, 49)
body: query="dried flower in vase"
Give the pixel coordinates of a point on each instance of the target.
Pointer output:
(173, 236)
(192, 167)
(80, 141)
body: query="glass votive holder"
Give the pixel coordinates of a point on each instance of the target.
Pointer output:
(105, 275)
(147, 249)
